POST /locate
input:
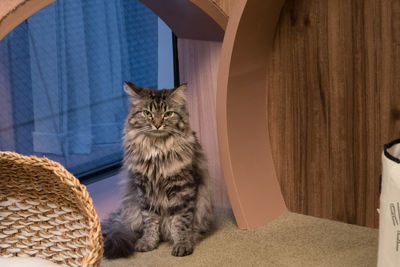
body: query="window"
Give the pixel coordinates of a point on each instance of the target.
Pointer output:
(62, 73)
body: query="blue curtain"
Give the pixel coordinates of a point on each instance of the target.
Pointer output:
(66, 65)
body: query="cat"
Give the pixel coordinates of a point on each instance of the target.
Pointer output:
(167, 195)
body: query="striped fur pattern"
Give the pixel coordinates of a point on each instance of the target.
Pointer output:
(167, 190)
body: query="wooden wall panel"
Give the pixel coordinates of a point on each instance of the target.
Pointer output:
(334, 100)
(198, 66)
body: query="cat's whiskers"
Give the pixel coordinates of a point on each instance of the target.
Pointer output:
(142, 130)
(172, 131)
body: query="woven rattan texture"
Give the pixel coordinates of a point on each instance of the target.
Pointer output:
(45, 212)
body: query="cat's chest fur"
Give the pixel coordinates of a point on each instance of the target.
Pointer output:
(157, 160)
(158, 167)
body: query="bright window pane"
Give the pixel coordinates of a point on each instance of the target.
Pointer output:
(61, 77)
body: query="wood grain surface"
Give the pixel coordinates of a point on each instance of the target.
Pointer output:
(198, 66)
(334, 100)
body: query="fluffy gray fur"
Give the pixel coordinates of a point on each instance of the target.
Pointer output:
(167, 189)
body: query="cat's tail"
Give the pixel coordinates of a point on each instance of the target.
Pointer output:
(119, 240)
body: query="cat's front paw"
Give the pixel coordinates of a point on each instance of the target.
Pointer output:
(144, 245)
(182, 249)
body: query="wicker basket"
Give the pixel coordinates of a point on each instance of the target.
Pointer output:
(45, 212)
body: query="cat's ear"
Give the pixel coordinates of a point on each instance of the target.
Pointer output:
(133, 89)
(178, 94)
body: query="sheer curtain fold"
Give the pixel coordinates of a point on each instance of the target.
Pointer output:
(104, 57)
(71, 43)
(60, 85)
(6, 120)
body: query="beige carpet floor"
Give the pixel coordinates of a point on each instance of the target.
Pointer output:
(290, 240)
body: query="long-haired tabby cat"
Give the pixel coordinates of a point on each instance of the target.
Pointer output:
(166, 191)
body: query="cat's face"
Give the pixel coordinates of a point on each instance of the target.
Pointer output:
(157, 113)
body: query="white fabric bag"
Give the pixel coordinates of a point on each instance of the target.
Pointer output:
(389, 211)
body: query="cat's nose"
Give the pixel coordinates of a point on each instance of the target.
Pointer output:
(157, 123)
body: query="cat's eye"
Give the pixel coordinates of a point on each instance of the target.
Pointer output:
(168, 114)
(147, 113)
